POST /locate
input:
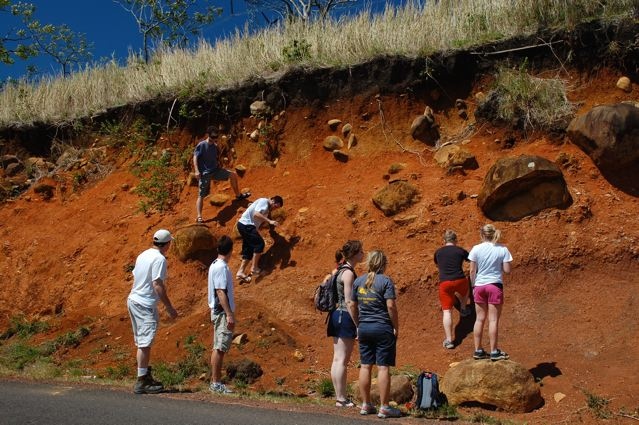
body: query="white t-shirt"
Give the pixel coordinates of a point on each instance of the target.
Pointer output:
(220, 277)
(149, 266)
(261, 206)
(489, 258)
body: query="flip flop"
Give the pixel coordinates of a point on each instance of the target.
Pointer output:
(199, 220)
(243, 196)
(242, 278)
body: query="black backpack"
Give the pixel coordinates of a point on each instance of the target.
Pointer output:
(326, 293)
(428, 395)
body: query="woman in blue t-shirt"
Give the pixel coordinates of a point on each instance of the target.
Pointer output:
(374, 311)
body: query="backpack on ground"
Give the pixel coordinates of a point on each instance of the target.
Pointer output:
(428, 395)
(326, 293)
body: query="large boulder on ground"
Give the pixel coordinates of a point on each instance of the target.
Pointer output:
(195, 242)
(516, 187)
(455, 156)
(506, 385)
(395, 197)
(609, 134)
(401, 390)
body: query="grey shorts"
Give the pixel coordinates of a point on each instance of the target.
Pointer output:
(205, 180)
(144, 321)
(222, 336)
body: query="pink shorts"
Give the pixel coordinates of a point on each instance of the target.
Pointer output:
(488, 294)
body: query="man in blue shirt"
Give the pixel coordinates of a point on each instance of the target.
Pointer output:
(206, 168)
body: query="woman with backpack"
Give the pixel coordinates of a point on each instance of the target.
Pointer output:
(340, 324)
(488, 261)
(374, 310)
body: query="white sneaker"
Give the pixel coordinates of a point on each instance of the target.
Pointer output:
(219, 388)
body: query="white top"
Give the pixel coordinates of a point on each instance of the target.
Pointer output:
(220, 277)
(261, 206)
(149, 266)
(489, 258)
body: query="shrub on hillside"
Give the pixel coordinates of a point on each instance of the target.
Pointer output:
(527, 102)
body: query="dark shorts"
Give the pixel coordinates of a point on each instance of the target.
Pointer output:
(493, 293)
(377, 344)
(205, 179)
(252, 242)
(341, 325)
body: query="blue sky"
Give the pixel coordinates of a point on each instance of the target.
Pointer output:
(111, 29)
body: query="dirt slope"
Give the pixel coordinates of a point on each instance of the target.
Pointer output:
(571, 302)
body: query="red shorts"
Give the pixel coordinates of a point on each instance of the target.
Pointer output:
(447, 291)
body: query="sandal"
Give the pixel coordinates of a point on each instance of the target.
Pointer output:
(243, 196)
(199, 220)
(242, 278)
(344, 403)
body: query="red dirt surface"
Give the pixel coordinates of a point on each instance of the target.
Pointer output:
(570, 313)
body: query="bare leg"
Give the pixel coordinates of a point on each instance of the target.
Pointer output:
(365, 383)
(463, 301)
(243, 265)
(383, 381)
(494, 312)
(256, 261)
(143, 357)
(217, 357)
(198, 206)
(478, 329)
(342, 349)
(448, 324)
(233, 181)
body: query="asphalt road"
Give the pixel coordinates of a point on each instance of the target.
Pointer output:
(52, 404)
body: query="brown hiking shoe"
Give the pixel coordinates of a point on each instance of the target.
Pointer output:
(147, 385)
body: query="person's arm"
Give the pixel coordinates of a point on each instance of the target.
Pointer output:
(224, 303)
(506, 267)
(353, 310)
(265, 218)
(158, 287)
(347, 278)
(473, 272)
(197, 171)
(391, 306)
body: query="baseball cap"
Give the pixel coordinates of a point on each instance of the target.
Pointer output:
(162, 236)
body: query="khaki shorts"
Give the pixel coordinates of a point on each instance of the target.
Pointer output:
(222, 336)
(144, 321)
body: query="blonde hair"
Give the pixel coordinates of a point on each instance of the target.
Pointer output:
(450, 236)
(490, 233)
(376, 262)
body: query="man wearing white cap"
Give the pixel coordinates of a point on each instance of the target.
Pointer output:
(149, 275)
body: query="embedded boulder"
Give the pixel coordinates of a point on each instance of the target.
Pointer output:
(609, 134)
(505, 384)
(195, 242)
(455, 156)
(332, 143)
(424, 129)
(516, 187)
(395, 197)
